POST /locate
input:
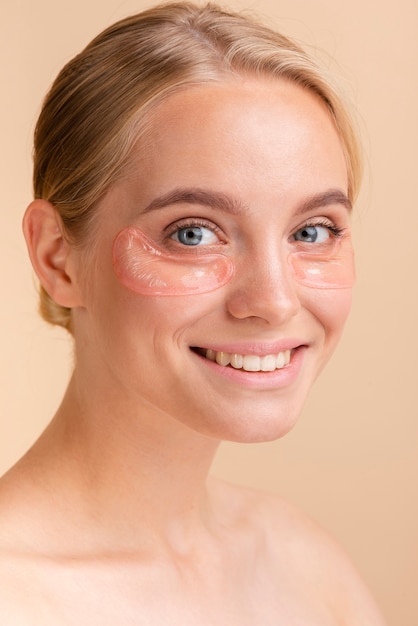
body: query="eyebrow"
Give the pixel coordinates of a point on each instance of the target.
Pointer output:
(224, 202)
(212, 199)
(326, 198)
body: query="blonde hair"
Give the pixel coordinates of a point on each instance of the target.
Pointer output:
(92, 115)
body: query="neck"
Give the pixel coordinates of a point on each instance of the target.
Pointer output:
(135, 472)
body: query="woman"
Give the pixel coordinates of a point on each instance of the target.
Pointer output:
(194, 177)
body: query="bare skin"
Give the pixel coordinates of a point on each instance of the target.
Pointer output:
(111, 517)
(238, 557)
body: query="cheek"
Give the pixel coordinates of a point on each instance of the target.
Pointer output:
(151, 322)
(331, 308)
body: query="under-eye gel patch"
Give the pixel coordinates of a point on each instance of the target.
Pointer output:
(332, 269)
(143, 267)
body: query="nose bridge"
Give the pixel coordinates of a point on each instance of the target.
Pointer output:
(263, 285)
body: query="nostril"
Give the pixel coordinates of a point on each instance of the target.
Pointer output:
(274, 300)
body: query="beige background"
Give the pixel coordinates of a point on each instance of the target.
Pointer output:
(351, 462)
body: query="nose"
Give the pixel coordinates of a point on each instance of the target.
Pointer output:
(264, 288)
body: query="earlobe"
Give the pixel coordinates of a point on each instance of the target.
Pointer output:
(50, 253)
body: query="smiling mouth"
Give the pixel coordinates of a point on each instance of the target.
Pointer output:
(247, 362)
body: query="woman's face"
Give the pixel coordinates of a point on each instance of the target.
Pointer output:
(253, 173)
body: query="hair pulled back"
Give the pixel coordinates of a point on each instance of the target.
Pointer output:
(92, 115)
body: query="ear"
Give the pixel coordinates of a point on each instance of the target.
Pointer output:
(51, 255)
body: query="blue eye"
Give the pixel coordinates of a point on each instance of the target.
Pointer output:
(312, 234)
(195, 235)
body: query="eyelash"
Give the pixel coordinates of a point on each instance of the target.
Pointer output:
(335, 230)
(192, 223)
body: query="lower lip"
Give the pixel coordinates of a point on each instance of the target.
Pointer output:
(278, 379)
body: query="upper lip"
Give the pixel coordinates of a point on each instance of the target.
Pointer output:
(259, 348)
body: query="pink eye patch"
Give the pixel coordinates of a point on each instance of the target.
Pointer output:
(145, 268)
(334, 269)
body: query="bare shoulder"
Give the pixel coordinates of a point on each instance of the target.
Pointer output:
(13, 582)
(307, 553)
(15, 587)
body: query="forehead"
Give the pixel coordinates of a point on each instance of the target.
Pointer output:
(246, 137)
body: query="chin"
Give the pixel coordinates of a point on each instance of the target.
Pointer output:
(261, 426)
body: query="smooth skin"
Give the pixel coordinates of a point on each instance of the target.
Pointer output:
(111, 518)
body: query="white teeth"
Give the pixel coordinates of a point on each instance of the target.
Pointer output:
(269, 363)
(250, 362)
(222, 358)
(211, 355)
(281, 360)
(237, 361)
